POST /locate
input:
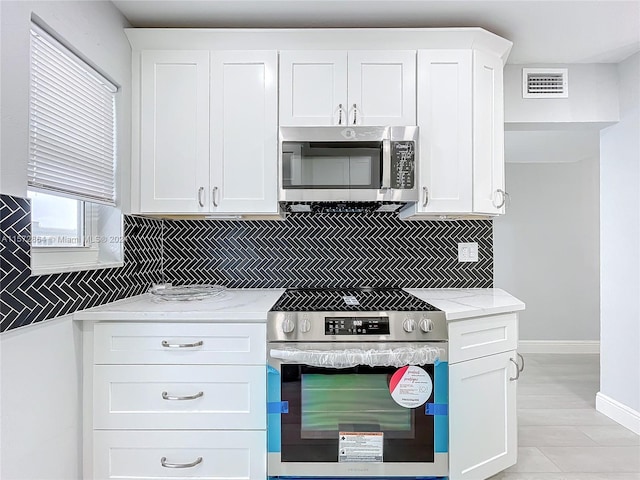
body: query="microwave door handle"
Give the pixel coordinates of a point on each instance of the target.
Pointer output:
(386, 164)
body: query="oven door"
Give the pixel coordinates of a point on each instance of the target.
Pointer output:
(339, 409)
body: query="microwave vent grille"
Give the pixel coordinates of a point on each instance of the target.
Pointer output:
(341, 207)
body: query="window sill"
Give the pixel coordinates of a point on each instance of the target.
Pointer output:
(52, 269)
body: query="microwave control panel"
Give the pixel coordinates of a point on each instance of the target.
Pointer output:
(356, 326)
(403, 164)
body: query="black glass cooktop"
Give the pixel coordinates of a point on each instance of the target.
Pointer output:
(350, 300)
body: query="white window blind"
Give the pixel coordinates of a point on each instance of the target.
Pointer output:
(72, 147)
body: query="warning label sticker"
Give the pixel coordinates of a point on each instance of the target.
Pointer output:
(360, 446)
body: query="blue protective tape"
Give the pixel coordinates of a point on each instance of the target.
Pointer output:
(436, 409)
(441, 398)
(278, 407)
(273, 418)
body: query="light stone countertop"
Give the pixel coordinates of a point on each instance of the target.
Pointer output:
(461, 303)
(239, 305)
(252, 305)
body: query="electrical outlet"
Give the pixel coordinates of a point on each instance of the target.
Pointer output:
(468, 252)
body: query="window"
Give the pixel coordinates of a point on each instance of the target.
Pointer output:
(72, 161)
(56, 221)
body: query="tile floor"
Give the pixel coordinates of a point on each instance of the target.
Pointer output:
(560, 434)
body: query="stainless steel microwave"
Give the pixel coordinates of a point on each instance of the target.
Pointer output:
(343, 164)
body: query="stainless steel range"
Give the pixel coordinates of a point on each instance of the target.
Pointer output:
(357, 385)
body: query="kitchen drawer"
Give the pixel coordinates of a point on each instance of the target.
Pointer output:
(137, 455)
(131, 397)
(482, 336)
(159, 343)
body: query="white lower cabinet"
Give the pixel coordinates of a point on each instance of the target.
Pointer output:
(206, 455)
(179, 397)
(483, 374)
(178, 400)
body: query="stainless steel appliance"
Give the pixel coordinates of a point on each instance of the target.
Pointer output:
(348, 164)
(357, 385)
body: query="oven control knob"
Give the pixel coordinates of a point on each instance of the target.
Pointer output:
(409, 325)
(305, 325)
(426, 325)
(288, 326)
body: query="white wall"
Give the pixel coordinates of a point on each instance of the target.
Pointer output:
(546, 248)
(620, 247)
(40, 429)
(40, 420)
(593, 99)
(94, 29)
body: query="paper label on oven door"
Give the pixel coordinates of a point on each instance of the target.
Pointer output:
(360, 446)
(410, 386)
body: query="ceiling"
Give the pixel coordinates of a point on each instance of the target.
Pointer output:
(574, 31)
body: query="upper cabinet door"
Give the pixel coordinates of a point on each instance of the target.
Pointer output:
(488, 126)
(444, 117)
(382, 87)
(313, 88)
(244, 140)
(174, 143)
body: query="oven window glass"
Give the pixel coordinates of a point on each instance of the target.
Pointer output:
(352, 403)
(325, 401)
(331, 165)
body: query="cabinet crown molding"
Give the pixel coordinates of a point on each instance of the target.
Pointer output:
(319, 38)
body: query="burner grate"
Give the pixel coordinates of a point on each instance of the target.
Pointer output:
(351, 299)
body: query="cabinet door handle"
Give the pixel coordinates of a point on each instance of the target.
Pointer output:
(182, 345)
(165, 464)
(522, 367)
(425, 192)
(214, 193)
(166, 396)
(517, 370)
(355, 114)
(200, 198)
(503, 198)
(340, 112)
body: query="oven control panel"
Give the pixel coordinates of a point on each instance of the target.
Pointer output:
(356, 326)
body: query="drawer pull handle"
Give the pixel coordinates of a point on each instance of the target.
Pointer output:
(182, 345)
(165, 464)
(517, 370)
(521, 358)
(166, 396)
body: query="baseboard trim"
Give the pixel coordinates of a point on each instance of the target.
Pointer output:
(555, 346)
(618, 412)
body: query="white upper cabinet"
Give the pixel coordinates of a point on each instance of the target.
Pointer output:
(313, 88)
(488, 140)
(382, 87)
(444, 117)
(207, 105)
(208, 132)
(244, 140)
(460, 115)
(174, 131)
(347, 88)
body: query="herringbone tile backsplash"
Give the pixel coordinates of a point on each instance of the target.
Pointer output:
(26, 299)
(329, 250)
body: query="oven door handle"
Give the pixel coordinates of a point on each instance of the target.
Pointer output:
(348, 358)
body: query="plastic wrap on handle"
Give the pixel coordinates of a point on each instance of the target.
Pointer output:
(396, 357)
